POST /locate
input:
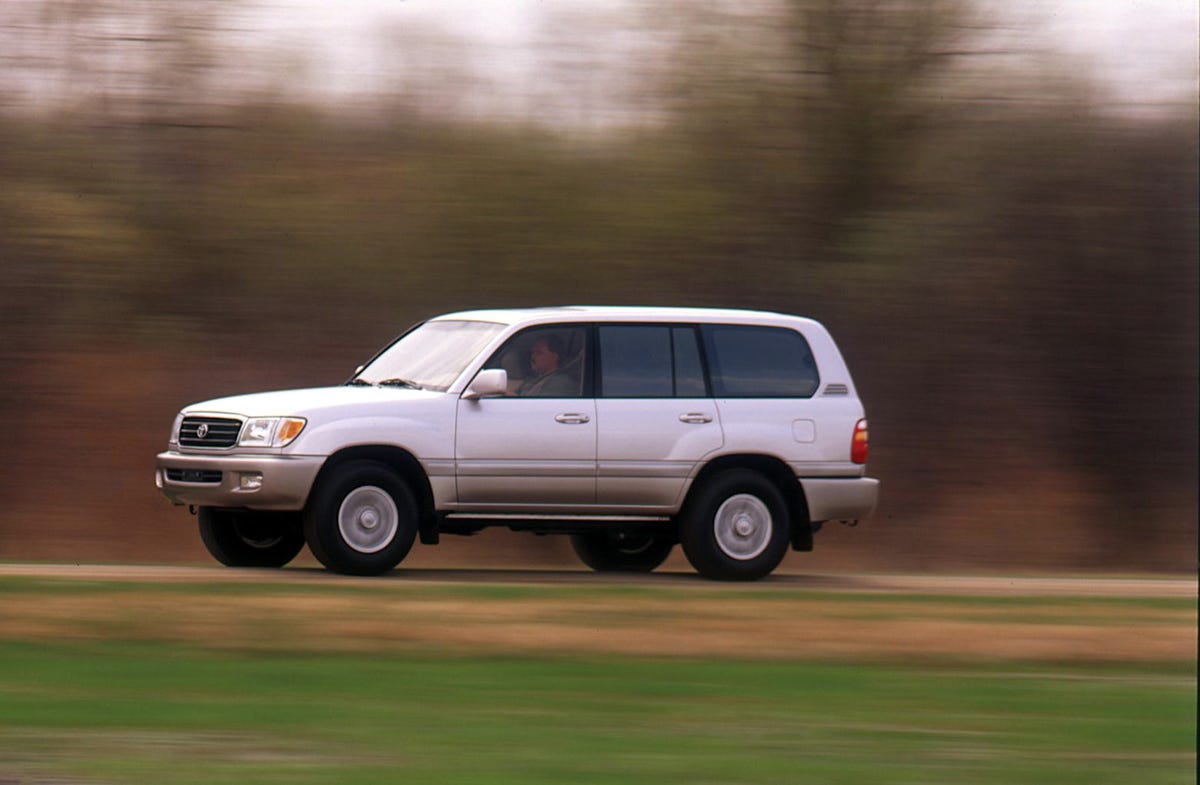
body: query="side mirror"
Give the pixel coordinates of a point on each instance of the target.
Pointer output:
(487, 383)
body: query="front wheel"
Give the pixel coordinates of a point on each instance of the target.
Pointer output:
(735, 527)
(243, 538)
(361, 519)
(622, 551)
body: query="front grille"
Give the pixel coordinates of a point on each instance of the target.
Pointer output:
(194, 475)
(209, 432)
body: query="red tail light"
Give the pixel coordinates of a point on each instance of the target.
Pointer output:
(858, 443)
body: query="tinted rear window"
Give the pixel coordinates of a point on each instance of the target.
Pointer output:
(759, 362)
(650, 361)
(635, 362)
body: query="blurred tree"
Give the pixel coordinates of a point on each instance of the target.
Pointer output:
(819, 108)
(865, 74)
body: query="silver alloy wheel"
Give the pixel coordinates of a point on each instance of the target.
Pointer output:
(368, 519)
(743, 526)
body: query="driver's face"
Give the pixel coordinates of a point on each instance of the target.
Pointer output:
(541, 359)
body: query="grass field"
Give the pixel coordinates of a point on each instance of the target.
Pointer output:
(111, 682)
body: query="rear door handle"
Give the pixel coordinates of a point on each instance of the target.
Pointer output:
(695, 417)
(572, 418)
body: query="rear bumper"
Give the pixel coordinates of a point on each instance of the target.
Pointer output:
(257, 482)
(840, 498)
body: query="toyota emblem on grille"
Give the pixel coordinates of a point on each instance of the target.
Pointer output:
(202, 430)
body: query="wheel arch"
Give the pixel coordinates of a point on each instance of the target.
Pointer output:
(780, 475)
(400, 460)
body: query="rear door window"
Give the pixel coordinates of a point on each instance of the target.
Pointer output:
(650, 361)
(689, 370)
(759, 362)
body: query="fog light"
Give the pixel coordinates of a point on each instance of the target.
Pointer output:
(250, 481)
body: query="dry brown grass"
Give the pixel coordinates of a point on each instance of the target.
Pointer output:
(603, 619)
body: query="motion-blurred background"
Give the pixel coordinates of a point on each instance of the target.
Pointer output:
(992, 205)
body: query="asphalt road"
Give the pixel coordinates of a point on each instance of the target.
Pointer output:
(855, 583)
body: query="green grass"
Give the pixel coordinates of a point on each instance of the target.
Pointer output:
(154, 713)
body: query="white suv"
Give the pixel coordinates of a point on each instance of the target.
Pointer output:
(734, 433)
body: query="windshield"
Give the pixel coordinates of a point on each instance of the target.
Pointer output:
(430, 357)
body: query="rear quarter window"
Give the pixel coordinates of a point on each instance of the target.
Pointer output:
(759, 362)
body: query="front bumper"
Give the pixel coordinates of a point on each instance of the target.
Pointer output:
(840, 498)
(257, 482)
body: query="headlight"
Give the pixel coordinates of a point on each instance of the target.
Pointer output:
(271, 431)
(174, 437)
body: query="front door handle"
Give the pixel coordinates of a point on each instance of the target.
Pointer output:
(572, 418)
(695, 417)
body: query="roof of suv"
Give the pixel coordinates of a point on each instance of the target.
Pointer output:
(619, 313)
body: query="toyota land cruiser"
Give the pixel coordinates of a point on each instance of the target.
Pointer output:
(735, 434)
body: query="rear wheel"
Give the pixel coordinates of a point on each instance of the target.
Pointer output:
(735, 526)
(361, 519)
(622, 551)
(244, 538)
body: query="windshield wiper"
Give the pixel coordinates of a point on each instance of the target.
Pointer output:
(398, 382)
(359, 383)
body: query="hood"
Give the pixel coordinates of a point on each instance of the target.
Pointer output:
(302, 403)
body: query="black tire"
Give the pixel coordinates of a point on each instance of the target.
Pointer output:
(361, 519)
(735, 527)
(243, 538)
(622, 551)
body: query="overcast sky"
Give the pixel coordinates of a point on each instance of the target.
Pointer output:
(494, 57)
(1143, 50)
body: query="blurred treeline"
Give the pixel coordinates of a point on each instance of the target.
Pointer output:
(1009, 264)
